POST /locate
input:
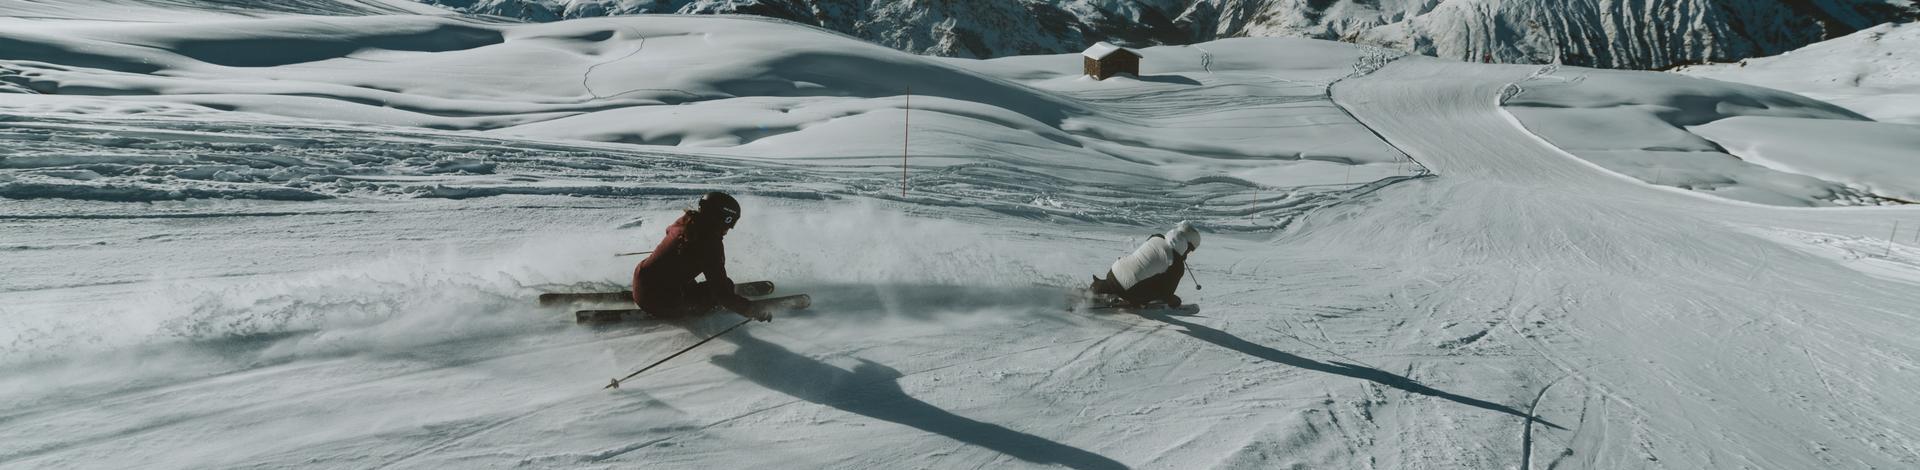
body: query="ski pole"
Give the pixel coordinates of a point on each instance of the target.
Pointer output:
(1191, 274)
(616, 382)
(633, 253)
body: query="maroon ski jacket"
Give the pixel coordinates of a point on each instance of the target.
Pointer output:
(665, 278)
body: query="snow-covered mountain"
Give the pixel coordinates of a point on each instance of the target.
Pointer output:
(1599, 33)
(1875, 72)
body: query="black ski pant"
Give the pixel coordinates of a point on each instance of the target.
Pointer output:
(688, 299)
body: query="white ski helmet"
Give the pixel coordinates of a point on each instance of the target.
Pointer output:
(1183, 238)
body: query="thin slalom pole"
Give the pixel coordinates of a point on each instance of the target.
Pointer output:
(1890, 238)
(616, 382)
(906, 136)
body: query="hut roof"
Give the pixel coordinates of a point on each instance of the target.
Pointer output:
(1102, 49)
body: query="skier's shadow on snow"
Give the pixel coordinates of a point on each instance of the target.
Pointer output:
(1229, 341)
(872, 390)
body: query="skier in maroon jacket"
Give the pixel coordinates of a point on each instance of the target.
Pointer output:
(663, 284)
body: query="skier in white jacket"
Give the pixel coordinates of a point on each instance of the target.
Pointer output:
(1153, 271)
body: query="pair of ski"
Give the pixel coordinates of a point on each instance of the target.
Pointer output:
(768, 305)
(1079, 299)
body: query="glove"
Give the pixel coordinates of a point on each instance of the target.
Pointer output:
(1173, 301)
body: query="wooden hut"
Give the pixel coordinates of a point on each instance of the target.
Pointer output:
(1105, 60)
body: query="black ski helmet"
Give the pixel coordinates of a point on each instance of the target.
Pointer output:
(721, 208)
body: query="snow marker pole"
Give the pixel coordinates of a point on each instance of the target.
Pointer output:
(906, 136)
(1896, 233)
(615, 384)
(633, 253)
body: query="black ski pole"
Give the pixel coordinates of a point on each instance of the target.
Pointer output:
(616, 382)
(633, 253)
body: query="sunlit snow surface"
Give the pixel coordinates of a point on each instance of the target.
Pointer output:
(240, 240)
(1873, 72)
(1736, 141)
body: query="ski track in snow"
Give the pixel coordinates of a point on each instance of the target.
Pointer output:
(305, 166)
(1618, 347)
(1503, 287)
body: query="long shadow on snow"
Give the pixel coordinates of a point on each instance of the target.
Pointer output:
(1229, 341)
(921, 301)
(1172, 79)
(872, 390)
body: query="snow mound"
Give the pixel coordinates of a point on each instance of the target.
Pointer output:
(1879, 158)
(451, 73)
(1872, 72)
(1640, 124)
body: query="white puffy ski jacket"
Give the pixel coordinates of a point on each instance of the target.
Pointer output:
(1155, 256)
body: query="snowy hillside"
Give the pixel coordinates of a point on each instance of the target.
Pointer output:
(151, 10)
(1599, 33)
(1740, 142)
(274, 237)
(1875, 72)
(737, 86)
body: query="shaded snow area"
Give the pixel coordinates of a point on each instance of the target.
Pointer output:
(236, 237)
(1872, 72)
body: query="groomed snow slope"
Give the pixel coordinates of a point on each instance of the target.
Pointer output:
(172, 300)
(1680, 330)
